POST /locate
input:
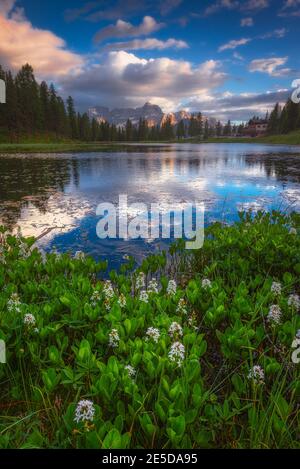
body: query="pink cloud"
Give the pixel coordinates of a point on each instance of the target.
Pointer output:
(21, 42)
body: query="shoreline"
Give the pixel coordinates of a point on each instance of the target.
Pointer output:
(15, 148)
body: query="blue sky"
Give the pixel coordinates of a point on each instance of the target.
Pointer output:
(227, 58)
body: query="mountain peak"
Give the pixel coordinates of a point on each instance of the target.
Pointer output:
(152, 113)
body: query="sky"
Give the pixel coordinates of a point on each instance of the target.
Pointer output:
(225, 58)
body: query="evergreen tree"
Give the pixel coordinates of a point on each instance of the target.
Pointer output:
(129, 131)
(206, 130)
(219, 129)
(29, 111)
(142, 130)
(180, 132)
(45, 105)
(11, 108)
(167, 132)
(273, 122)
(84, 128)
(199, 124)
(227, 129)
(73, 123)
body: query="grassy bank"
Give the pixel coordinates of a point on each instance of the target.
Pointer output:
(293, 138)
(58, 147)
(147, 363)
(74, 147)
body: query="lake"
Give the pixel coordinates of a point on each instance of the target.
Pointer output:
(62, 191)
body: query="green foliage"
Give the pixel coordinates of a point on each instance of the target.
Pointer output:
(57, 317)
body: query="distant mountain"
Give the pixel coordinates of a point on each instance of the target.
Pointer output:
(150, 112)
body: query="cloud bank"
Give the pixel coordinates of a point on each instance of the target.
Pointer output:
(124, 29)
(21, 42)
(147, 44)
(239, 107)
(123, 79)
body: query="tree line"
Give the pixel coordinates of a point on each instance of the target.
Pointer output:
(34, 108)
(284, 119)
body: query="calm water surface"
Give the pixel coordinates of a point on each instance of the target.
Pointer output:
(62, 192)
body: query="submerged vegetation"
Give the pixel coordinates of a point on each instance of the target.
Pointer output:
(190, 350)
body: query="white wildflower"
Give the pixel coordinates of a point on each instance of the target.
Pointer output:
(140, 281)
(175, 330)
(294, 302)
(144, 296)
(108, 289)
(24, 250)
(95, 298)
(181, 307)
(171, 289)
(14, 304)
(85, 411)
(257, 374)
(56, 254)
(122, 300)
(192, 321)
(276, 288)
(131, 371)
(206, 283)
(107, 304)
(2, 255)
(79, 255)
(298, 334)
(293, 231)
(177, 353)
(29, 320)
(274, 314)
(153, 286)
(43, 255)
(114, 338)
(153, 333)
(126, 257)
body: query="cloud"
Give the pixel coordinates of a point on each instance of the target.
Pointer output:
(22, 43)
(239, 107)
(123, 79)
(238, 56)
(234, 44)
(220, 5)
(295, 14)
(98, 10)
(291, 4)
(270, 66)
(125, 29)
(6, 6)
(277, 33)
(250, 5)
(169, 5)
(247, 21)
(289, 8)
(255, 5)
(147, 44)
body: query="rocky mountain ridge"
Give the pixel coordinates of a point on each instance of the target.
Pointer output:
(152, 113)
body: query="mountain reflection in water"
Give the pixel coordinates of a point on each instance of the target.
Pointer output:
(62, 192)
